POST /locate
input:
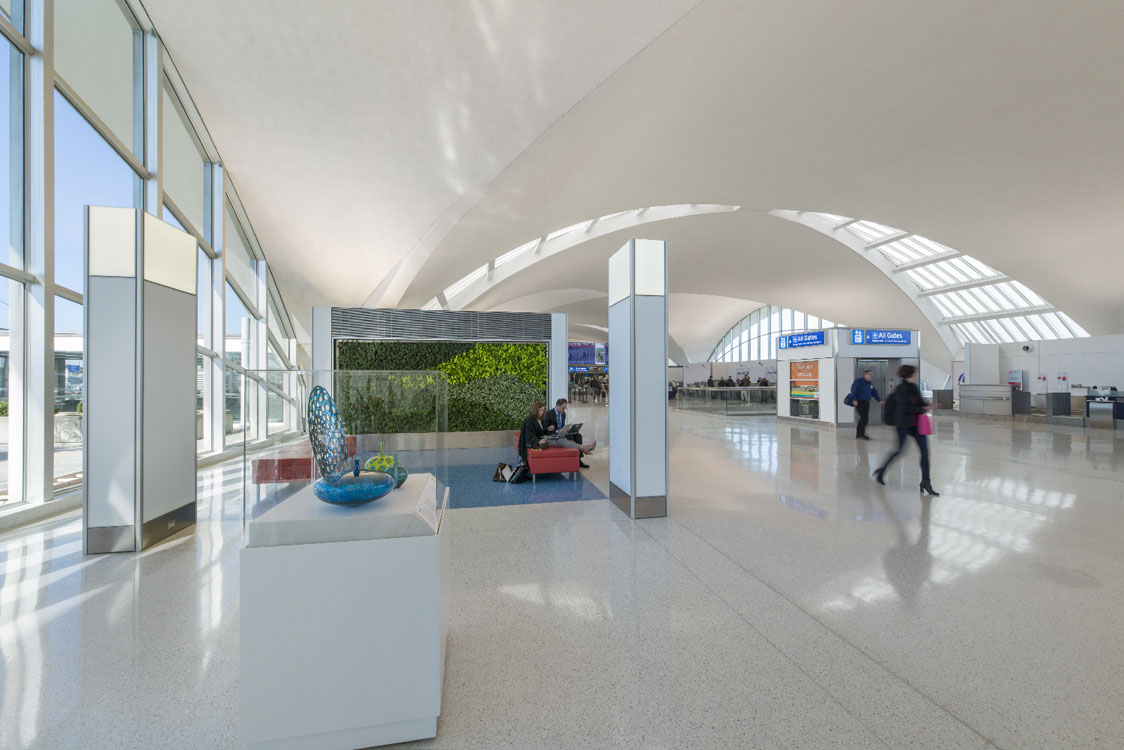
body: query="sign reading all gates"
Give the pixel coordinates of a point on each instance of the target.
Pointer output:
(804, 379)
(880, 336)
(578, 368)
(795, 340)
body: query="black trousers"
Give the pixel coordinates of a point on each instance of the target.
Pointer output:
(862, 408)
(922, 444)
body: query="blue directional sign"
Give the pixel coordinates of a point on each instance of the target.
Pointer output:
(881, 336)
(796, 340)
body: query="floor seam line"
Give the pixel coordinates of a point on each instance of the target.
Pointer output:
(764, 637)
(818, 622)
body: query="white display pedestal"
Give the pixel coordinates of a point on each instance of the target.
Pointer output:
(343, 622)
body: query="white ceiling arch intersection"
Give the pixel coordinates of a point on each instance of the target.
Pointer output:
(466, 290)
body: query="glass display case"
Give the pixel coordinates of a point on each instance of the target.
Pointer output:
(389, 428)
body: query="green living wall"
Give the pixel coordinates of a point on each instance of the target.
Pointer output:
(491, 386)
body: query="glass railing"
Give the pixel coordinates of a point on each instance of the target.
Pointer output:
(732, 402)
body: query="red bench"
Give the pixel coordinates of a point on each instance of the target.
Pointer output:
(553, 460)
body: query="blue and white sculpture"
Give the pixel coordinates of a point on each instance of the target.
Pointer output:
(329, 447)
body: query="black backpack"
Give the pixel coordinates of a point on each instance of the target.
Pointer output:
(891, 410)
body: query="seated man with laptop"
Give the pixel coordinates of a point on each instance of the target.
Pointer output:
(554, 423)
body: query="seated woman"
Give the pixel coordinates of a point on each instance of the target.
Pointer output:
(533, 435)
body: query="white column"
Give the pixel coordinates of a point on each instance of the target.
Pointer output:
(140, 310)
(559, 379)
(638, 409)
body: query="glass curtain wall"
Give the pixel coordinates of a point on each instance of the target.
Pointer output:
(11, 289)
(103, 56)
(755, 336)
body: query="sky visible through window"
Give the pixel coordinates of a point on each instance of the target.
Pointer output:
(87, 172)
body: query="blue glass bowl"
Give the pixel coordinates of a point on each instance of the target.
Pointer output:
(354, 490)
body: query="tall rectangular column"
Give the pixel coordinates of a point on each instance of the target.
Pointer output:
(638, 379)
(139, 404)
(559, 378)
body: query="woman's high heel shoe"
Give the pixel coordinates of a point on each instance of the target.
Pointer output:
(928, 487)
(878, 475)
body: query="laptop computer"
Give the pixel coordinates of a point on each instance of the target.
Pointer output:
(571, 429)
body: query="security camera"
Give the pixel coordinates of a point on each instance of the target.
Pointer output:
(1028, 347)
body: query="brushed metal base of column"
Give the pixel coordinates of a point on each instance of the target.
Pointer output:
(164, 526)
(646, 507)
(103, 539)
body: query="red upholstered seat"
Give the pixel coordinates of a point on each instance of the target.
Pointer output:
(552, 460)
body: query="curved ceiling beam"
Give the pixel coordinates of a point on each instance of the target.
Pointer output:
(469, 288)
(963, 298)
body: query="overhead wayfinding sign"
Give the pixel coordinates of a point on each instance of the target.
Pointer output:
(796, 340)
(880, 336)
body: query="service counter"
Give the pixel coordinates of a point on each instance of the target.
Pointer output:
(987, 400)
(1104, 411)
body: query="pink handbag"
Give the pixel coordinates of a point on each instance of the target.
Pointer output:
(924, 424)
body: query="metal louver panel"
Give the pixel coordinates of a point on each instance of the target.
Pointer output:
(438, 325)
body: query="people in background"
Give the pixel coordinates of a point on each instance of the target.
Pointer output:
(906, 405)
(863, 392)
(596, 387)
(554, 422)
(534, 435)
(763, 381)
(709, 381)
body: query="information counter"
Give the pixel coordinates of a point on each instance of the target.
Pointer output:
(815, 369)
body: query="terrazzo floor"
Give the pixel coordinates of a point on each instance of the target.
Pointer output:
(786, 602)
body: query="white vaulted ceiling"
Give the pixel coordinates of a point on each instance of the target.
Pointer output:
(352, 127)
(385, 150)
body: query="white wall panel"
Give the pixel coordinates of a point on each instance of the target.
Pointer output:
(620, 395)
(650, 401)
(169, 401)
(112, 235)
(170, 256)
(110, 400)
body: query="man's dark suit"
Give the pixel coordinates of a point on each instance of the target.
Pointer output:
(554, 419)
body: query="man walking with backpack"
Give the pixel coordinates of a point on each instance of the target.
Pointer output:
(862, 392)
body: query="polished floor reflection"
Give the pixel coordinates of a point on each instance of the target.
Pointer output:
(787, 602)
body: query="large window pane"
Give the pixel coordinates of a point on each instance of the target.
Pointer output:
(69, 387)
(203, 299)
(274, 322)
(97, 52)
(11, 154)
(13, 11)
(275, 404)
(232, 407)
(237, 345)
(237, 350)
(240, 263)
(10, 389)
(87, 172)
(184, 166)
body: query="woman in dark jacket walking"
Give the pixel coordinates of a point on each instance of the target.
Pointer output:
(909, 406)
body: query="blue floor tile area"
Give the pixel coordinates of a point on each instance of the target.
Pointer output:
(468, 473)
(470, 482)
